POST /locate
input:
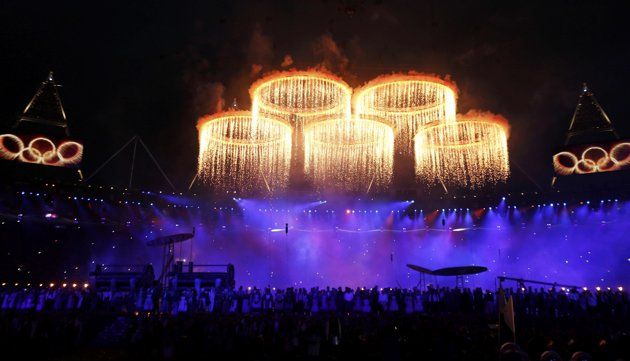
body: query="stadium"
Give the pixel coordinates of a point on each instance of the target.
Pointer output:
(320, 215)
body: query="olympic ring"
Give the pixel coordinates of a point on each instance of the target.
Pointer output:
(559, 166)
(585, 166)
(593, 159)
(65, 154)
(40, 150)
(619, 148)
(40, 144)
(5, 151)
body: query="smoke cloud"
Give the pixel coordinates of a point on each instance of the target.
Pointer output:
(287, 61)
(333, 57)
(211, 98)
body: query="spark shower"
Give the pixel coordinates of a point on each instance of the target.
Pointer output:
(310, 120)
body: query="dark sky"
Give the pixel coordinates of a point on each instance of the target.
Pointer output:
(152, 69)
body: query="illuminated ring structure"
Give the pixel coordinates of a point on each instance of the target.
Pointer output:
(40, 150)
(407, 101)
(353, 154)
(300, 96)
(593, 159)
(468, 152)
(236, 153)
(5, 150)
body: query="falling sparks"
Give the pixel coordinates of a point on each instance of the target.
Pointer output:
(407, 101)
(472, 151)
(301, 125)
(349, 154)
(301, 96)
(236, 154)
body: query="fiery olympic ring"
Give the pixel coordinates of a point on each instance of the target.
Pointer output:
(40, 150)
(593, 159)
(5, 150)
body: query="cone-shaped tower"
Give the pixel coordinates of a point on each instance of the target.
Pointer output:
(44, 113)
(589, 123)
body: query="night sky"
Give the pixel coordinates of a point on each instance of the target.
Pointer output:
(152, 70)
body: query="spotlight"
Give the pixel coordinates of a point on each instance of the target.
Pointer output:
(620, 289)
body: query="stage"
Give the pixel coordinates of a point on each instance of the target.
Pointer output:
(345, 242)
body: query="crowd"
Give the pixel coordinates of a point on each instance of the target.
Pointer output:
(549, 302)
(318, 323)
